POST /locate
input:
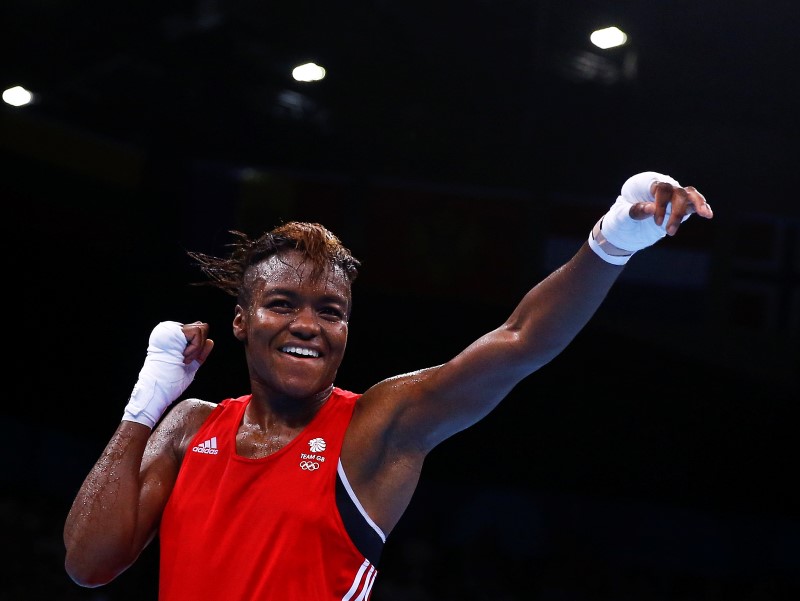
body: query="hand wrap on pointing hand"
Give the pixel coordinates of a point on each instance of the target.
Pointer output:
(625, 234)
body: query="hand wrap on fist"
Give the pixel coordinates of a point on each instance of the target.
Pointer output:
(618, 235)
(163, 377)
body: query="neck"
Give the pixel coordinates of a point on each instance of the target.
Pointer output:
(268, 410)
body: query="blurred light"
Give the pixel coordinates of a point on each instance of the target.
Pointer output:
(308, 72)
(17, 96)
(291, 104)
(588, 66)
(608, 37)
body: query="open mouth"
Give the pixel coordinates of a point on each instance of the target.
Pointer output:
(297, 351)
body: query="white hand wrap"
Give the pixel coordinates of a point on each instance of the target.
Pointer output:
(619, 235)
(163, 377)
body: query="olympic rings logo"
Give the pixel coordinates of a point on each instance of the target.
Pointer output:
(309, 465)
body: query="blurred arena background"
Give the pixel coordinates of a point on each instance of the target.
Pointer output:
(462, 151)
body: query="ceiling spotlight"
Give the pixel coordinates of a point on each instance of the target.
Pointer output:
(308, 72)
(608, 37)
(17, 96)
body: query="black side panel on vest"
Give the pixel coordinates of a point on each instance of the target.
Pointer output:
(361, 532)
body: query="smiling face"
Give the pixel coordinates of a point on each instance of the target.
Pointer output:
(295, 327)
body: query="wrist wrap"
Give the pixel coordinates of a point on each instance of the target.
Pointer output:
(619, 236)
(163, 377)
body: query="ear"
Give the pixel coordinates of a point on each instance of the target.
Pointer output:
(240, 323)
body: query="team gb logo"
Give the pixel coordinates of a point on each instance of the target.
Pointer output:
(317, 445)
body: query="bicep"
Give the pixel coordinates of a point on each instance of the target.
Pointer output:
(159, 471)
(433, 404)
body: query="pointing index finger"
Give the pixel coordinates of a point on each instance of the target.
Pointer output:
(663, 195)
(699, 203)
(680, 208)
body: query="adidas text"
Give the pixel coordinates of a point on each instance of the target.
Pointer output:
(209, 447)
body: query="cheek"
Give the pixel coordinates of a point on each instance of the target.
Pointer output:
(262, 324)
(338, 336)
(262, 318)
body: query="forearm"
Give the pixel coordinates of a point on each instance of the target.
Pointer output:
(650, 206)
(103, 533)
(552, 313)
(462, 391)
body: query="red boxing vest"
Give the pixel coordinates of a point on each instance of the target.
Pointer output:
(264, 529)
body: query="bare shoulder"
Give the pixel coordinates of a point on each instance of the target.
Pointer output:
(392, 393)
(192, 408)
(179, 425)
(383, 406)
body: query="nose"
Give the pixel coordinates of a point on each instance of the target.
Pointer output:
(305, 323)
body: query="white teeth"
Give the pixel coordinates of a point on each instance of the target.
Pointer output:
(296, 350)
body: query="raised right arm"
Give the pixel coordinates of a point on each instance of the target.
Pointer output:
(118, 507)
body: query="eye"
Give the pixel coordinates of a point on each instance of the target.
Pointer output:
(332, 313)
(280, 305)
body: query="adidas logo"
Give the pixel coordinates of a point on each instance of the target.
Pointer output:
(209, 447)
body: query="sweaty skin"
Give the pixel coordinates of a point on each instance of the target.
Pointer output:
(294, 331)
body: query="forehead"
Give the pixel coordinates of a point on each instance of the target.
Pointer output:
(293, 270)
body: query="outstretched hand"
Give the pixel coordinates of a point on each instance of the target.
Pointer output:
(650, 206)
(683, 201)
(198, 344)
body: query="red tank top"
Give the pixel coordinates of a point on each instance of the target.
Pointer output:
(244, 529)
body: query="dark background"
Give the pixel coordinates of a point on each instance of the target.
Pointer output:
(462, 151)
